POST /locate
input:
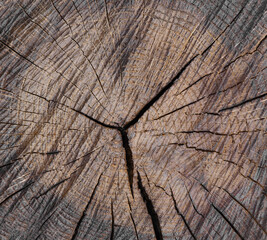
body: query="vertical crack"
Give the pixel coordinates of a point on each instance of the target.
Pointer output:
(125, 143)
(181, 215)
(150, 208)
(131, 215)
(112, 222)
(128, 157)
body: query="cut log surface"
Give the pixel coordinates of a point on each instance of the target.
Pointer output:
(133, 119)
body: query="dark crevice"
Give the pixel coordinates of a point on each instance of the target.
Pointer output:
(10, 163)
(112, 222)
(191, 200)
(107, 15)
(16, 192)
(181, 215)
(203, 131)
(85, 209)
(150, 209)
(52, 187)
(227, 220)
(228, 25)
(19, 54)
(242, 103)
(180, 108)
(44, 153)
(131, 215)
(251, 179)
(194, 83)
(36, 95)
(135, 230)
(157, 96)
(46, 220)
(196, 148)
(52, 152)
(148, 181)
(225, 90)
(128, 158)
(202, 185)
(95, 120)
(162, 188)
(245, 54)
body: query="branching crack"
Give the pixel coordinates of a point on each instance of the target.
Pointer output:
(196, 148)
(157, 96)
(245, 54)
(150, 209)
(193, 204)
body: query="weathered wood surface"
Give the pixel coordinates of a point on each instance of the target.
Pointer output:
(196, 153)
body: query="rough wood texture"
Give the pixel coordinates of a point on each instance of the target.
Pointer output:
(133, 119)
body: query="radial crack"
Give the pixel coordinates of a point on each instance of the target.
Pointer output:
(85, 209)
(196, 148)
(243, 206)
(157, 96)
(19, 54)
(52, 187)
(16, 192)
(227, 220)
(95, 120)
(243, 102)
(181, 215)
(178, 109)
(131, 215)
(128, 158)
(150, 209)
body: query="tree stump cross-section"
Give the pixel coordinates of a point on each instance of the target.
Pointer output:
(133, 119)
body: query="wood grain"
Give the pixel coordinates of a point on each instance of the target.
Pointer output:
(133, 119)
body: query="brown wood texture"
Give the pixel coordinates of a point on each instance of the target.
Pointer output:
(133, 119)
